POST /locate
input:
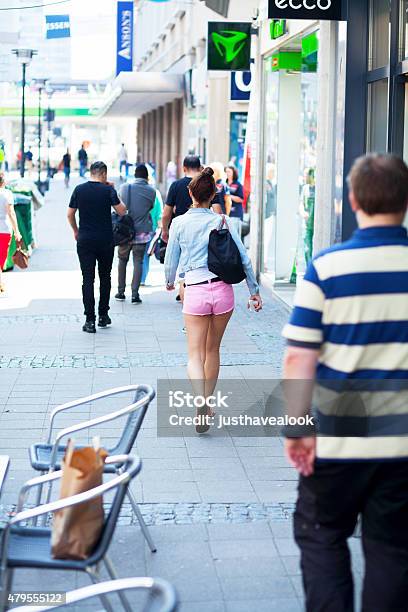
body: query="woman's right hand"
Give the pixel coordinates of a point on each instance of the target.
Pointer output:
(256, 301)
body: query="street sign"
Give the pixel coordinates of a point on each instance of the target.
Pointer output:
(229, 46)
(57, 26)
(241, 84)
(124, 55)
(329, 10)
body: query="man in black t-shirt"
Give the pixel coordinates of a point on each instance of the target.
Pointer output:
(94, 201)
(178, 199)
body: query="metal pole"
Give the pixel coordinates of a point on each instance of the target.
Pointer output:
(22, 164)
(48, 139)
(39, 135)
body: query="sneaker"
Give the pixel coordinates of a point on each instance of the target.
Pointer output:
(104, 321)
(120, 296)
(89, 327)
(136, 299)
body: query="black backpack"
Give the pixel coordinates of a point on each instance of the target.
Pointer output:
(123, 229)
(224, 258)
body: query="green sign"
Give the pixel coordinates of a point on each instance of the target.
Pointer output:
(229, 46)
(286, 60)
(278, 28)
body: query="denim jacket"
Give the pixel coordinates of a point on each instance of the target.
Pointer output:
(188, 245)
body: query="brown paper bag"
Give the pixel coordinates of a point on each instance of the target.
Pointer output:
(76, 530)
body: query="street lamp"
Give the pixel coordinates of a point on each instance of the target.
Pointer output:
(50, 117)
(24, 56)
(41, 83)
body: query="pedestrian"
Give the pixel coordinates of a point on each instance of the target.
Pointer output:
(8, 224)
(94, 201)
(156, 216)
(139, 198)
(222, 201)
(209, 302)
(29, 160)
(349, 324)
(236, 190)
(123, 160)
(83, 160)
(2, 156)
(66, 166)
(178, 201)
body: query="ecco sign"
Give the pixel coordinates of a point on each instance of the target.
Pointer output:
(331, 10)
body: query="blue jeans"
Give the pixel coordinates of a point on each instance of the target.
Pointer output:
(82, 169)
(146, 264)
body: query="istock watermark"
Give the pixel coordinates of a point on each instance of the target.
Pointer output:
(181, 399)
(295, 408)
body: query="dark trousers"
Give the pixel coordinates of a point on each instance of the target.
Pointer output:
(326, 514)
(91, 252)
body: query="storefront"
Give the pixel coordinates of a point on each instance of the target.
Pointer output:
(377, 83)
(330, 92)
(290, 115)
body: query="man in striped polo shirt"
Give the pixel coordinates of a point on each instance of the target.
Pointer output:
(349, 330)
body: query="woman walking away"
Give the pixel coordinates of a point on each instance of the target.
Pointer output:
(208, 302)
(8, 224)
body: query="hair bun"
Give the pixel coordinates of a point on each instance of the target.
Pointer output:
(208, 171)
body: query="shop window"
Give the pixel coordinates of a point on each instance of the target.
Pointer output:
(379, 41)
(270, 170)
(377, 116)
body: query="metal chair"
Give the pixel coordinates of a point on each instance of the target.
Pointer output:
(159, 591)
(48, 457)
(30, 547)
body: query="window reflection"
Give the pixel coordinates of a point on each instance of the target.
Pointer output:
(379, 44)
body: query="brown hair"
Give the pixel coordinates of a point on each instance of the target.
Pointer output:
(234, 172)
(202, 187)
(2, 179)
(380, 184)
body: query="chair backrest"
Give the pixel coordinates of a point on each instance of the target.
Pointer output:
(133, 423)
(132, 467)
(160, 591)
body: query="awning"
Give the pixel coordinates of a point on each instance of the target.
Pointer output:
(136, 93)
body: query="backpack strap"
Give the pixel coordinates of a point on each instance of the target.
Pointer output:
(223, 222)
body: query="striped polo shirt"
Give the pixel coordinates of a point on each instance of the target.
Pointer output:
(353, 306)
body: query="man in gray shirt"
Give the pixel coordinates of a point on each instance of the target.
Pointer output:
(139, 198)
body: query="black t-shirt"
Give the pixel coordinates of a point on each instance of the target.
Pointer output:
(94, 201)
(66, 160)
(179, 196)
(222, 191)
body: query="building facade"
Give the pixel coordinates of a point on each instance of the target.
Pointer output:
(208, 117)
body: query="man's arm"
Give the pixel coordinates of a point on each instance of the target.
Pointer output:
(120, 209)
(166, 220)
(299, 375)
(117, 202)
(72, 221)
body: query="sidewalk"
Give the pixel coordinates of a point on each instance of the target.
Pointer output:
(219, 507)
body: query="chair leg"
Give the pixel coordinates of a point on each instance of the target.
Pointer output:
(94, 576)
(5, 587)
(110, 568)
(38, 500)
(142, 524)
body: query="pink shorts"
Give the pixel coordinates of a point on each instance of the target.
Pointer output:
(210, 299)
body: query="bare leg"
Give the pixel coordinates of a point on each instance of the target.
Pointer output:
(197, 332)
(215, 335)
